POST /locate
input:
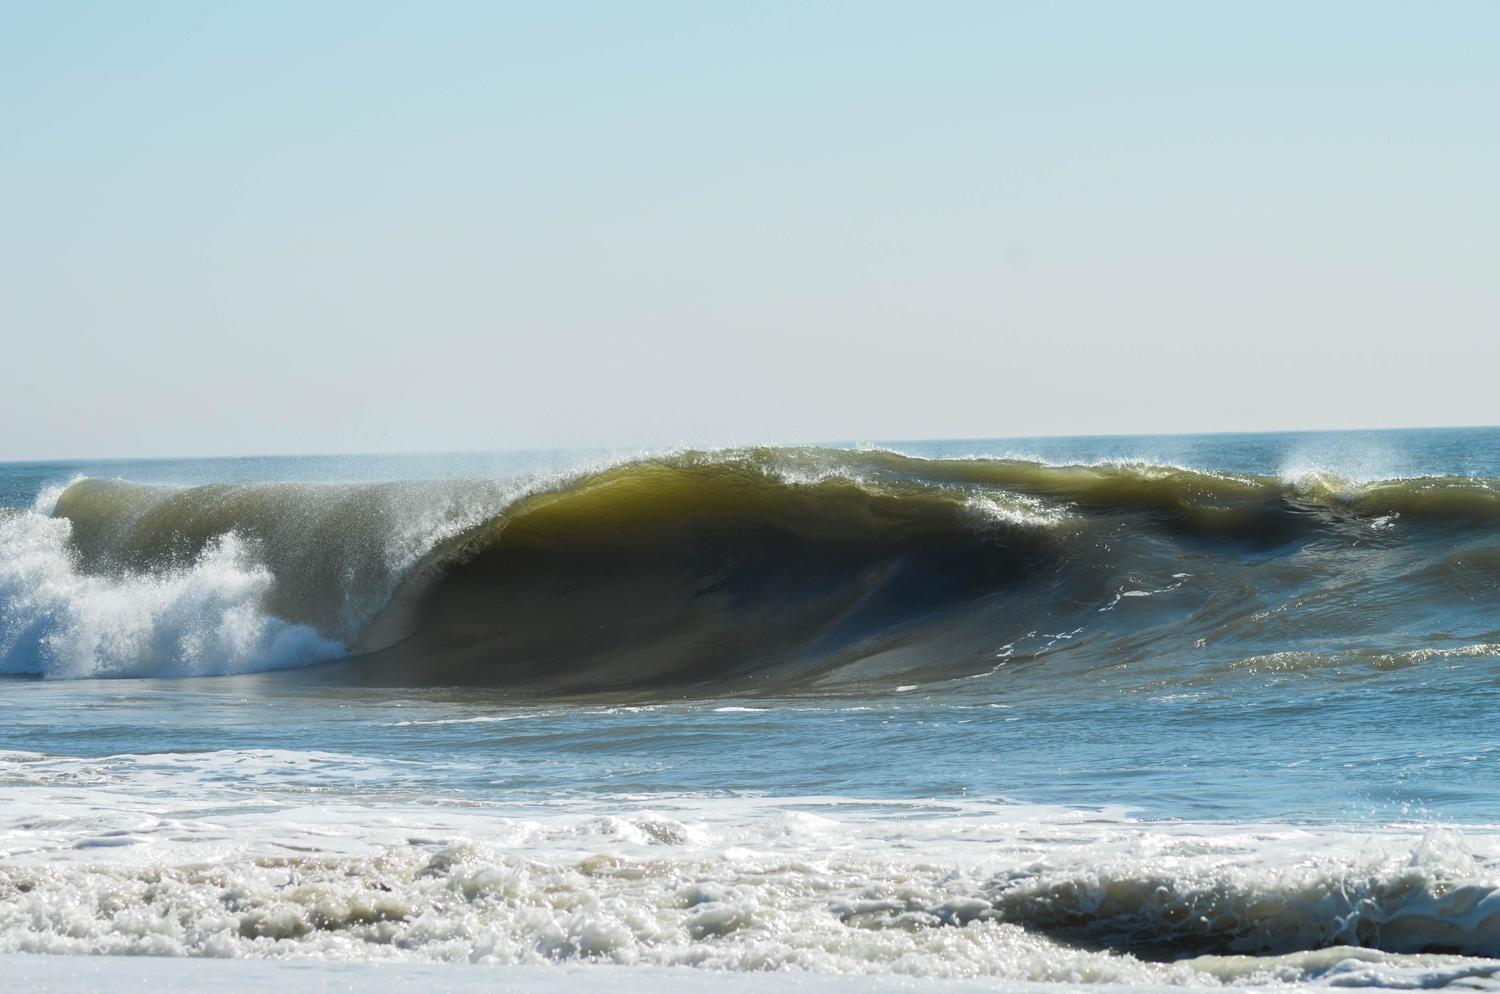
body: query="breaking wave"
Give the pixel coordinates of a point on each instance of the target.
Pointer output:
(746, 570)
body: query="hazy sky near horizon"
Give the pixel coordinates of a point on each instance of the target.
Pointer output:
(330, 227)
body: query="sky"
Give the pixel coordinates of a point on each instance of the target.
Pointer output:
(346, 227)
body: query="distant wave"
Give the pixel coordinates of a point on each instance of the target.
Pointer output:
(745, 569)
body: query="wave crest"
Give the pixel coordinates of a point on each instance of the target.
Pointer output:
(700, 567)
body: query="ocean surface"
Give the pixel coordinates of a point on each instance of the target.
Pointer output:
(1151, 711)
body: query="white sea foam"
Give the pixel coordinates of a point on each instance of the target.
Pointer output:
(205, 617)
(276, 854)
(1123, 592)
(1016, 510)
(210, 616)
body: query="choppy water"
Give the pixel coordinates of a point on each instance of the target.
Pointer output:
(1149, 710)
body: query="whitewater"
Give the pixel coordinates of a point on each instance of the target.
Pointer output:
(1138, 712)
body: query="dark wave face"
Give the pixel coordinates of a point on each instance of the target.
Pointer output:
(774, 570)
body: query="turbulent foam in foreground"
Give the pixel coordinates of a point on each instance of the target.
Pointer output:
(954, 889)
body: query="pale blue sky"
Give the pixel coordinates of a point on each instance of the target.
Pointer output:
(233, 228)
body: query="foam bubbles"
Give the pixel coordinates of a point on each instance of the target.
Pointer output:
(955, 890)
(1014, 510)
(204, 618)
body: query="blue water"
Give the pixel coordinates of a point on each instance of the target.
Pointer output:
(1409, 745)
(1325, 763)
(1344, 743)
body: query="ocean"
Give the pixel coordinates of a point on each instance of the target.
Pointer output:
(1151, 712)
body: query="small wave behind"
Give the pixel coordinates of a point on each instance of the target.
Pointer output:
(1434, 897)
